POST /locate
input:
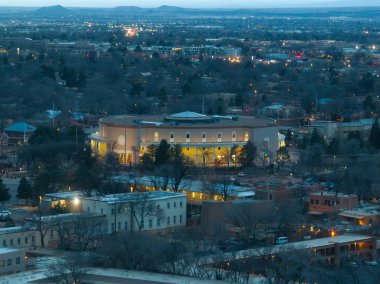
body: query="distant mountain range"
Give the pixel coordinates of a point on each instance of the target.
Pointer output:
(57, 9)
(346, 3)
(343, 8)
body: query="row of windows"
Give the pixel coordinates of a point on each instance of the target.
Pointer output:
(174, 205)
(156, 137)
(9, 261)
(326, 202)
(169, 221)
(19, 240)
(119, 209)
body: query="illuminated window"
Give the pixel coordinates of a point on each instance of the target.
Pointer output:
(234, 136)
(155, 136)
(187, 136)
(204, 137)
(246, 136)
(171, 137)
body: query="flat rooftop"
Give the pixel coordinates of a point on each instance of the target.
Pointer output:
(330, 194)
(8, 250)
(198, 186)
(135, 196)
(195, 122)
(359, 213)
(308, 244)
(11, 230)
(64, 195)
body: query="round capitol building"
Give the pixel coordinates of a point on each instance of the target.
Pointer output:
(204, 139)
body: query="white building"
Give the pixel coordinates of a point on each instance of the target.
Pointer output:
(12, 260)
(139, 211)
(332, 129)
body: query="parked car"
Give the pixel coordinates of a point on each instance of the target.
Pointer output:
(232, 245)
(5, 215)
(241, 174)
(281, 240)
(371, 262)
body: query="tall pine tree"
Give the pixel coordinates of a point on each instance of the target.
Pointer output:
(374, 137)
(247, 155)
(4, 192)
(24, 190)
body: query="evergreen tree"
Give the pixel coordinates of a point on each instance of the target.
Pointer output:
(4, 192)
(288, 137)
(147, 162)
(162, 154)
(239, 100)
(334, 147)
(24, 190)
(162, 95)
(282, 155)
(355, 135)
(374, 137)
(247, 155)
(317, 138)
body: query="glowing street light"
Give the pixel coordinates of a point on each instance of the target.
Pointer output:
(76, 201)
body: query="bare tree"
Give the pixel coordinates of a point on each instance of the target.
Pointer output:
(68, 270)
(133, 250)
(141, 208)
(78, 232)
(217, 184)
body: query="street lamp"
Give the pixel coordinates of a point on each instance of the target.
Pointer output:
(334, 162)
(76, 201)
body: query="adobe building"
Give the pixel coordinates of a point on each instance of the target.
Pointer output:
(328, 202)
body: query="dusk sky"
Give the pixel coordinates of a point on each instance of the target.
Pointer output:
(156, 3)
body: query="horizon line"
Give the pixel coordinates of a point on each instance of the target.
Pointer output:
(289, 6)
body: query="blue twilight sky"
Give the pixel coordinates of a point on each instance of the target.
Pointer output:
(156, 3)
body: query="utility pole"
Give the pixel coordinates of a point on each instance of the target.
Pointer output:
(203, 105)
(316, 103)
(53, 115)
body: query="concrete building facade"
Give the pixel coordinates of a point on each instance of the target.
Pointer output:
(139, 211)
(206, 140)
(12, 260)
(327, 202)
